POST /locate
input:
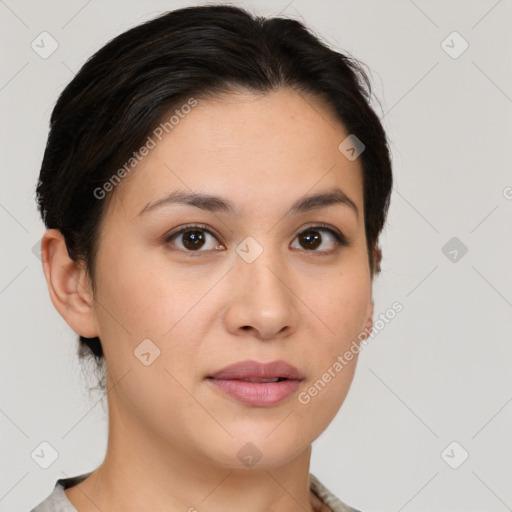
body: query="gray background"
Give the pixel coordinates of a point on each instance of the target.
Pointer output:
(439, 372)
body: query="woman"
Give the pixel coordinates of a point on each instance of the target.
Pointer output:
(214, 186)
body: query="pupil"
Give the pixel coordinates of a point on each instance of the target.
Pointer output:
(313, 239)
(194, 239)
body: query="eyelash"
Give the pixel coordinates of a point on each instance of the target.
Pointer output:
(340, 239)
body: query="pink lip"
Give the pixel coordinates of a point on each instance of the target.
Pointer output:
(260, 394)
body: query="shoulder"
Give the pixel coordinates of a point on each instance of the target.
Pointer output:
(57, 501)
(327, 497)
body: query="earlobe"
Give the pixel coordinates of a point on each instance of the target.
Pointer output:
(68, 285)
(369, 320)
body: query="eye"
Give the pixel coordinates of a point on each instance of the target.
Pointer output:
(193, 238)
(311, 239)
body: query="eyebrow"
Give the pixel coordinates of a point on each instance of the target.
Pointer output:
(212, 203)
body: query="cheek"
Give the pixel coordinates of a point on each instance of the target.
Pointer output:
(139, 311)
(142, 299)
(339, 309)
(134, 297)
(340, 305)
(322, 397)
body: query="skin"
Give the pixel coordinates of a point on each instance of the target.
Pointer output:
(173, 437)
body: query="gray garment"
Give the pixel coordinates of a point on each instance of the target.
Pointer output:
(57, 501)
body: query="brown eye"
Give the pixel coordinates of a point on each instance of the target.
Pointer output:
(311, 239)
(193, 239)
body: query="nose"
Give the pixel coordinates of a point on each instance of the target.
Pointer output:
(262, 300)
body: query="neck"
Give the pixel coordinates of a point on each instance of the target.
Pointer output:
(142, 472)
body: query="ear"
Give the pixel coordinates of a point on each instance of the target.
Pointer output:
(68, 285)
(369, 320)
(377, 256)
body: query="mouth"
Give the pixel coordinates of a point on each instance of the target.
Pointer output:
(257, 384)
(254, 371)
(275, 379)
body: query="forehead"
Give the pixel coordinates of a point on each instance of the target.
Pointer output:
(254, 149)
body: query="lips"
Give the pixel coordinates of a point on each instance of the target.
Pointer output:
(257, 384)
(252, 371)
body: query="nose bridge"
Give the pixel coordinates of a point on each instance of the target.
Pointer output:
(262, 298)
(259, 265)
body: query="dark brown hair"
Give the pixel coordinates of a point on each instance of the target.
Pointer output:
(125, 90)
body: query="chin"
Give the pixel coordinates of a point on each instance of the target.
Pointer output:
(259, 450)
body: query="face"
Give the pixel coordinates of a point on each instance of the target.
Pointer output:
(263, 282)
